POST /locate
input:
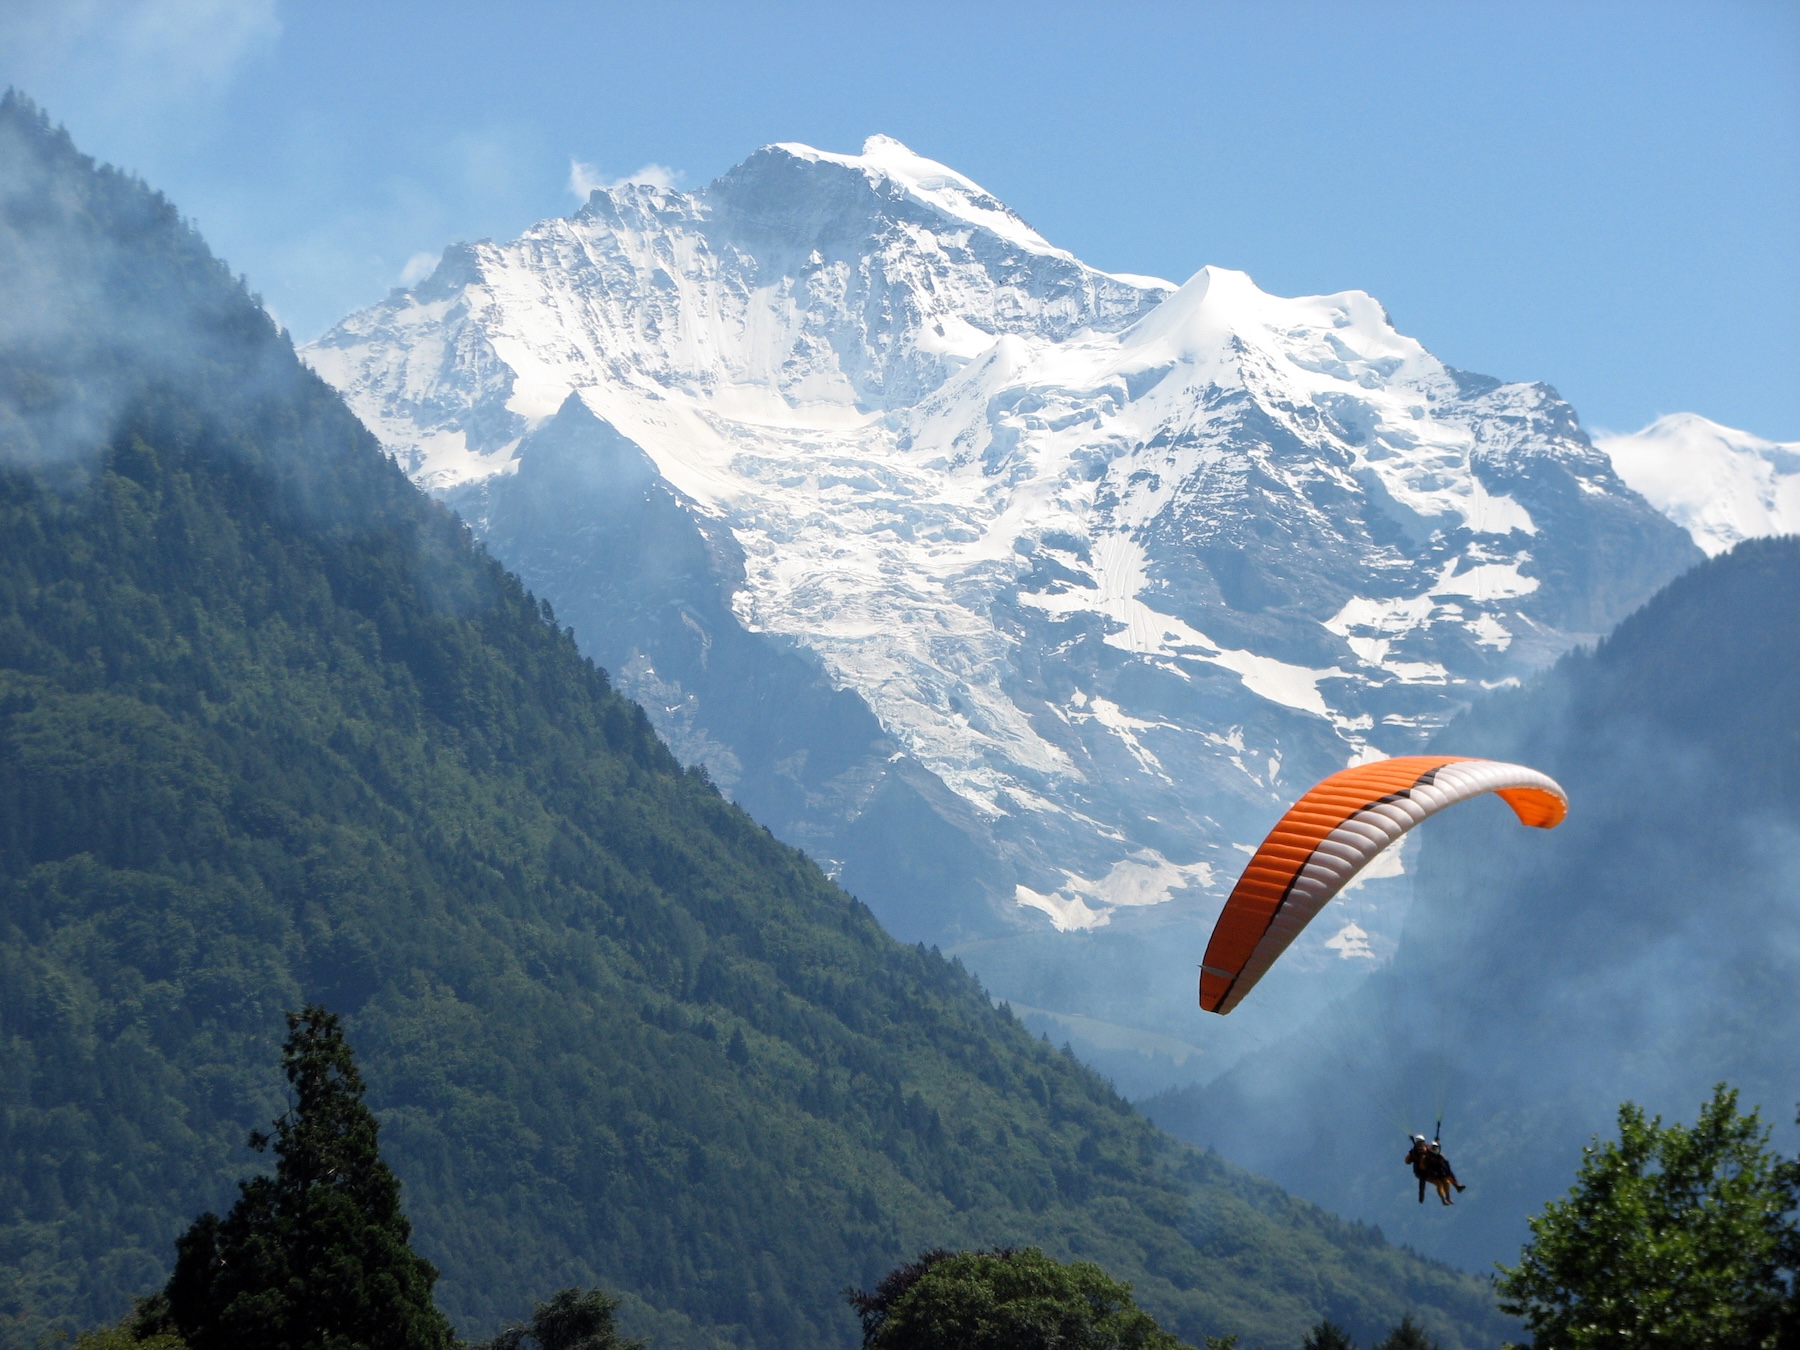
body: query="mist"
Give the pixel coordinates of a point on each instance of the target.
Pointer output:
(119, 322)
(87, 329)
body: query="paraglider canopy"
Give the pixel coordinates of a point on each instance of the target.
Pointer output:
(1330, 835)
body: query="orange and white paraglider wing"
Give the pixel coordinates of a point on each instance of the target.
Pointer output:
(1330, 835)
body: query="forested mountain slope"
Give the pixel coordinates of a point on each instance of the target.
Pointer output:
(272, 729)
(1645, 949)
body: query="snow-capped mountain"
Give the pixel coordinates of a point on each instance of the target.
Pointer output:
(1720, 485)
(1007, 586)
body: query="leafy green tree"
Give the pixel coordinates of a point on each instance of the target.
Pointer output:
(1409, 1335)
(1788, 1258)
(315, 1257)
(1005, 1299)
(571, 1320)
(1670, 1237)
(1328, 1335)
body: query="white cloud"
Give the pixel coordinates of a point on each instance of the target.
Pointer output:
(163, 50)
(651, 175)
(584, 178)
(418, 267)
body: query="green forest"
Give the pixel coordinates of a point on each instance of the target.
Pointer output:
(273, 731)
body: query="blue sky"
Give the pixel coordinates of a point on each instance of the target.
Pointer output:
(1602, 196)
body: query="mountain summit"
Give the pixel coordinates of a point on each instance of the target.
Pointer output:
(1109, 567)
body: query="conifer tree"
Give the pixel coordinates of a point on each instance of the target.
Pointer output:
(315, 1257)
(1409, 1335)
(1327, 1335)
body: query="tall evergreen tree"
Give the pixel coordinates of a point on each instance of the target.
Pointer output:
(317, 1256)
(1328, 1335)
(1409, 1335)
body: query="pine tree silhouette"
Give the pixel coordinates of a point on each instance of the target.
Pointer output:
(1409, 1335)
(1328, 1335)
(315, 1257)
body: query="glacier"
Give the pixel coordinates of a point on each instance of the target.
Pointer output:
(1021, 594)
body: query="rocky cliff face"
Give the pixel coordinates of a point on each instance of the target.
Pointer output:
(1019, 593)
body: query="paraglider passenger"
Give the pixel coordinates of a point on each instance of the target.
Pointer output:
(1429, 1164)
(1443, 1176)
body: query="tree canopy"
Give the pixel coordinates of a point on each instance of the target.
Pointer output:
(1004, 1300)
(1409, 1335)
(1328, 1335)
(1672, 1236)
(572, 1319)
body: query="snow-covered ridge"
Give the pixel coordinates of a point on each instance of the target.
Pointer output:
(886, 160)
(1720, 485)
(1121, 563)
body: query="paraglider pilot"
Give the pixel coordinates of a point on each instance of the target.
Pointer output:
(1429, 1165)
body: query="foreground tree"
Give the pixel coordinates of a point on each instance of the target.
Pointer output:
(1671, 1237)
(1004, 1300)
(571, 1320)
(1409, 1335)
(1327, 1335)
(317, 1256)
